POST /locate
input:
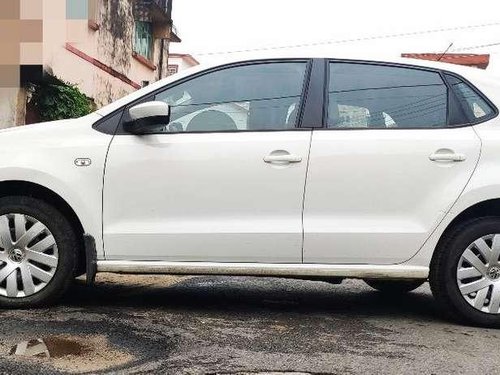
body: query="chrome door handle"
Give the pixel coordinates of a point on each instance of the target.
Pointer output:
(451, 156)
(282, 159)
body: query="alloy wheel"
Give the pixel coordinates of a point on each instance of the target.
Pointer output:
(478, 274)
(28, 255)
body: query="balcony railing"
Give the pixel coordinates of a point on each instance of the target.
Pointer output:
(158, 12)
(163, 6)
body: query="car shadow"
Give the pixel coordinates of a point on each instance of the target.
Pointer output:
(253, 295)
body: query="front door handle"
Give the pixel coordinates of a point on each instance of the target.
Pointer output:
(446, 155)
(282, 158)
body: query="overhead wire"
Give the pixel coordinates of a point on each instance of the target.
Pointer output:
(351, 40)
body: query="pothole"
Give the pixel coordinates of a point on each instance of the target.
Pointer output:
(73, 353)
(50, 347)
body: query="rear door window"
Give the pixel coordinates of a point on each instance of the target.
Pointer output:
(377, 96)
(474, 106)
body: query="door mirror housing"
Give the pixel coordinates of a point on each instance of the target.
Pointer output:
(148, 117)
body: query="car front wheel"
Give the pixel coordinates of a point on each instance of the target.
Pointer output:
(37, 252)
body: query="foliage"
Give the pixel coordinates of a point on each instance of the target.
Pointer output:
(54, 99)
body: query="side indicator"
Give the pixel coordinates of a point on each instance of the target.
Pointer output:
(83, 162)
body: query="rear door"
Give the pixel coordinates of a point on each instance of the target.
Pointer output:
(387, 166)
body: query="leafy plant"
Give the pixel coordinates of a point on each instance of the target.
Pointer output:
(54, 99)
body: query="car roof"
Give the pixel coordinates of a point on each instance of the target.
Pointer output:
(486, 82)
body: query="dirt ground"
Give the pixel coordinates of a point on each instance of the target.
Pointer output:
(243, 325)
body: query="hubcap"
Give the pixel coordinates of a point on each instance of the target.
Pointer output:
(478, 274)
(16, 255)
(494, 273)
(28, 255)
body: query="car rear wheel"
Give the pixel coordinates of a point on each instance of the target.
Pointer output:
(394, 286)
(37, 252)
(465, 272)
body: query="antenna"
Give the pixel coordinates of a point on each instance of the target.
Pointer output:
(444, 53)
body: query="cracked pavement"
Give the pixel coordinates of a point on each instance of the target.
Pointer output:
(246, 325)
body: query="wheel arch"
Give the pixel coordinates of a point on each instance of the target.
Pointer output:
(31, 189)
(489, 207)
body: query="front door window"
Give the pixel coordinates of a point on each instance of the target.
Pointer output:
(255, 97)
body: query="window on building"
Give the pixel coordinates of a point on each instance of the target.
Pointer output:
(376, 96)
(143, 41)
(473, 104)
(252, 97)
(173, 69)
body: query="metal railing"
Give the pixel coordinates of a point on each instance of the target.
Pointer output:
(162, 4)
(159, 7)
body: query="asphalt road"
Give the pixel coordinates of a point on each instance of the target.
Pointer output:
(243, 325)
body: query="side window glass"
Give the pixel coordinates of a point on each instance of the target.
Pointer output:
(109, 124)
(264, 96)
(473, 104)
(375, 96)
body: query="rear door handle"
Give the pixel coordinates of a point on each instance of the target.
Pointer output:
(447, 156)
(282, 159)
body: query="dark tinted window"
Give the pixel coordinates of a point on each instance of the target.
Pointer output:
(474, 106)
(109, 124)
(374, 96)
(251, 97)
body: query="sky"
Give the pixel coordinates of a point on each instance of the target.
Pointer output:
(208, 28)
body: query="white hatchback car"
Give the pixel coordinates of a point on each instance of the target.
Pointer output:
(292, 167)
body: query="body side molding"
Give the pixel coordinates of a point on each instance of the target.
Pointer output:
(361, 271)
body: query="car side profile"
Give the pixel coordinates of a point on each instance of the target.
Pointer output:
(299, 167)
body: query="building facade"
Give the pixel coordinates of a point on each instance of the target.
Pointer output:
(180, 61)
(108, 48)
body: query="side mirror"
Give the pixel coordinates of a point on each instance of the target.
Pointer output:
(148, 117)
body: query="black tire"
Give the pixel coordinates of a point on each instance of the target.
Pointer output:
(67, 245)
(443, 271)
(394, 286)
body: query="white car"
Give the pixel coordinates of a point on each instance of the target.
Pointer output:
(291, 167)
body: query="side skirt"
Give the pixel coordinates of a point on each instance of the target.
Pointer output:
(357, 271)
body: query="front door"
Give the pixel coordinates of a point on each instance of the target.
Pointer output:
(224, 180)
(387, 168)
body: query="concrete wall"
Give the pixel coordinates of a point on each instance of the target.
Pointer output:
(180, 62)
(12, 106)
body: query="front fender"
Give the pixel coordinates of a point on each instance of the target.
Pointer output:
(45, 155)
